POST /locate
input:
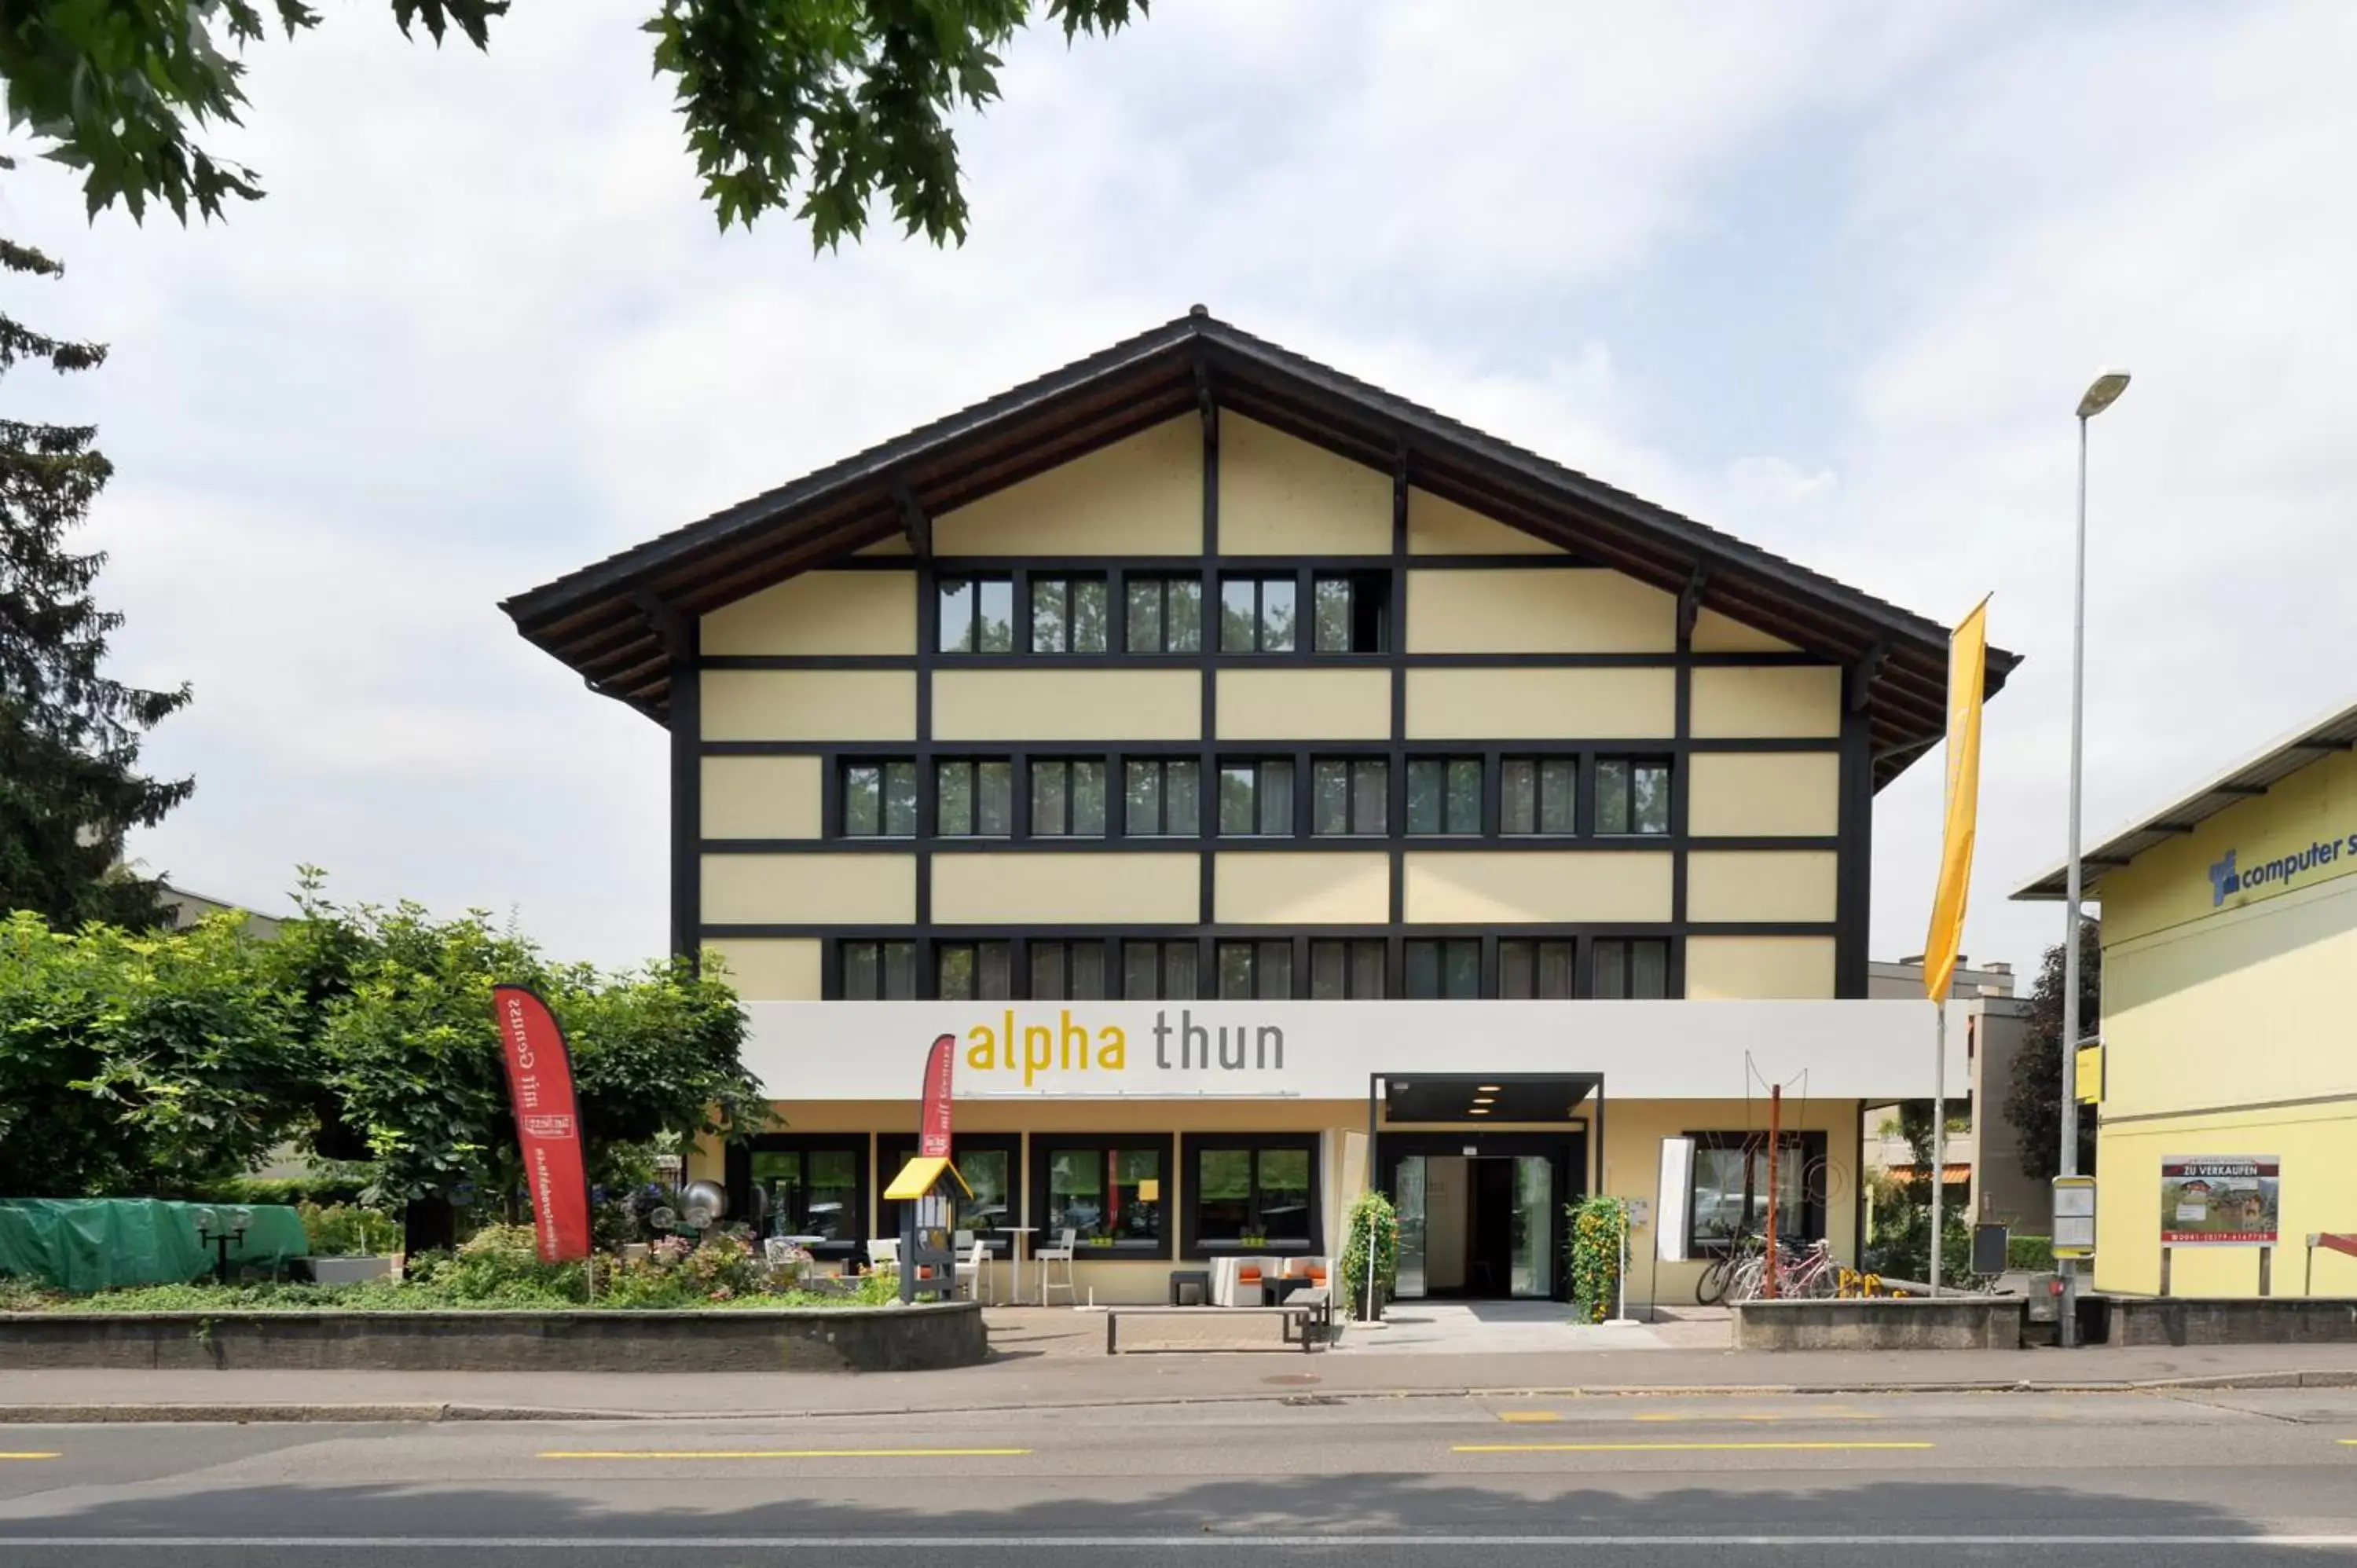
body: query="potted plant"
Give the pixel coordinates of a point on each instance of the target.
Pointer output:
(1372, 1220)
(349, 1243)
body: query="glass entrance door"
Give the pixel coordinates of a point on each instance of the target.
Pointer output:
(1407, 1200)
(1531, 1269)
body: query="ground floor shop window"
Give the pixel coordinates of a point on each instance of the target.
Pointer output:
(812, 1185)
(991, 1165)
(1729, 1200)
(1109, 1191)
(1251, 1194)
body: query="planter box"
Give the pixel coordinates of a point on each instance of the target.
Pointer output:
(783, 1339)
(2232, 1320)
(1944, 1323)
(346, 1271)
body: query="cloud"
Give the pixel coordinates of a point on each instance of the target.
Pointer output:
(483, 331)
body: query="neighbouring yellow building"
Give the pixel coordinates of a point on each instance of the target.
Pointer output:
(1276, 788)
(2225, 1081)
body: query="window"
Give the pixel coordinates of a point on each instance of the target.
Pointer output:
(1632, 795)
(1256, 972)
(1346, 972)
(1067, 971)
(974, 799)
(1631, 968)
(1162, 797)
(1256, 798)
(1535, 970)
(1350, 795)
(1068, 799)
(1256, 615)
(1449, 968)
(1730, 1200)
(977, 615)
(989, 1164)
(812, 1186)
(1539, 795)
(880, 800)
(1108, 1191)
(1069, 615)
(1444, 795)
(1160, 972)
(1256, 1195)
(1351, 612)
(878, 971)
(1165, 615)
(972, 971)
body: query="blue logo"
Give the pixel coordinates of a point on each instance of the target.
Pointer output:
(2223, 880)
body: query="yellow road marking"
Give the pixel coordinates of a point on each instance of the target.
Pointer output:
(2349, 1443)
(781, 1453)
(1759, 1416)
(1528, 1415)
(1661, 1447)
(29, 1456)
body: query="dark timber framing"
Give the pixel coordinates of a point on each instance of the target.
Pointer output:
(601, 621)
(632, 625)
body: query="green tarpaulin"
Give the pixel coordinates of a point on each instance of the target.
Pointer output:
(96, 1244)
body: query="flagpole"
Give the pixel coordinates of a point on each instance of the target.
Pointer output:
(1939, 1126)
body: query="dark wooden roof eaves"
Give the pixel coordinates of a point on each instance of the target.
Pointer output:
(598, 618)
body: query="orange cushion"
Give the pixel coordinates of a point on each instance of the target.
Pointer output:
(1248, 1276)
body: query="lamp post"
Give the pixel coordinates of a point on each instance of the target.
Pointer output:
(2101, 393)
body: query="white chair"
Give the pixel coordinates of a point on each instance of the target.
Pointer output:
(978, 1284)
(1062, 1252)
(884, 1253)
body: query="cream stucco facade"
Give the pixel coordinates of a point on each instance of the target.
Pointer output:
(1234, 706)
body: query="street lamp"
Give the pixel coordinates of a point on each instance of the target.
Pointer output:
(2101, 393)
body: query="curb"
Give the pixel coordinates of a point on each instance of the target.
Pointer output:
(438, 1411)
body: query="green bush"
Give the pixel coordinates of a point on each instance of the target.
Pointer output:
(1369, 1208)
(341, 1184)
(2032, 1255)
(1599, 1231)
(348, 1231)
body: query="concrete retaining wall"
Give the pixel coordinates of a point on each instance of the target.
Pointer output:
(2232, 1320)
(1947, 1323)
(788, 1339)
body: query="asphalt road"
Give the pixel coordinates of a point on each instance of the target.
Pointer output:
(2098, 1479)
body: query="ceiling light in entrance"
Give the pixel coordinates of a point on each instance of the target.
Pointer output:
(1478, 1110)
(1487, 1088)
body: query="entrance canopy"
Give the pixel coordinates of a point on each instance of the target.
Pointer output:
(1486, 1097)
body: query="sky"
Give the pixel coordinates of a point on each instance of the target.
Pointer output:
(1830, 276)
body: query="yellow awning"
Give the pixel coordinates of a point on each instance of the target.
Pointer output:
(918, 1177)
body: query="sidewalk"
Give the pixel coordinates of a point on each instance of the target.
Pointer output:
(1018, 1377)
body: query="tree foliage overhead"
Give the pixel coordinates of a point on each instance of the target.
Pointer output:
(839, 99)
(70, 736)
(2034, 1098)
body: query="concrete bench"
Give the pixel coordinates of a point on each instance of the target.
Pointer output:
(1309, 1309)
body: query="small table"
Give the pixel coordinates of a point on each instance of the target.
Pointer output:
(1277, 1289)
(1014, 1278)
(1200, 1279)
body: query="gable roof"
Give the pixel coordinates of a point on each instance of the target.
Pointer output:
(2252, 777)
(609, 621)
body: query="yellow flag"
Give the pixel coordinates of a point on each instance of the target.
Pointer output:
(1967, 655)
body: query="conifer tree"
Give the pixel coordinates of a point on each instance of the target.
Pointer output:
(69, 737)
